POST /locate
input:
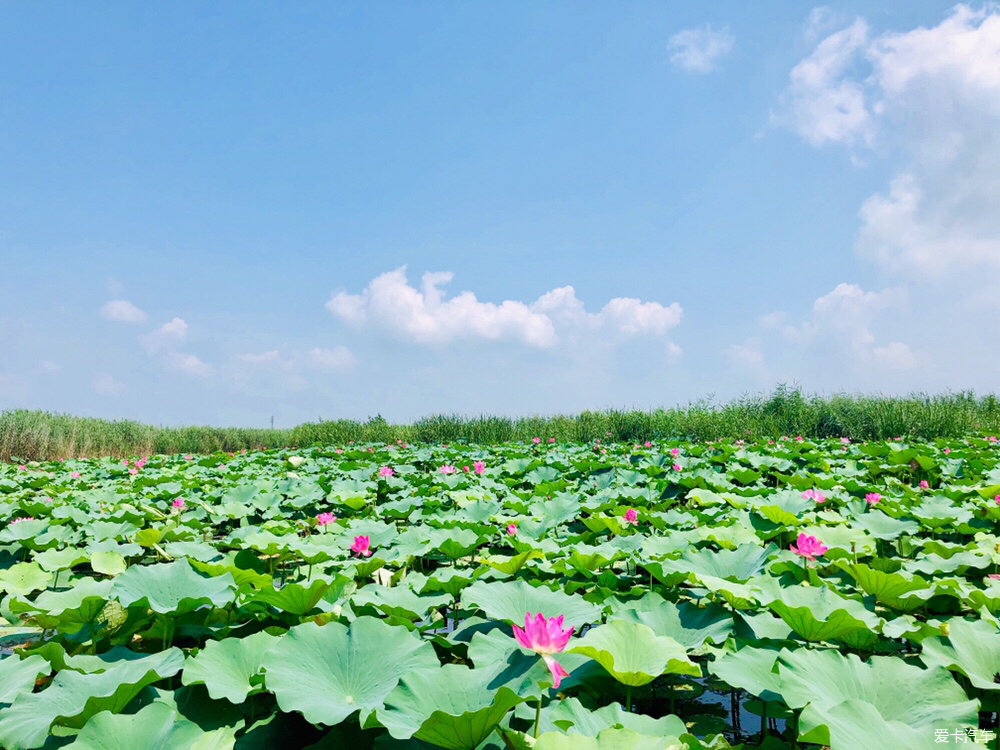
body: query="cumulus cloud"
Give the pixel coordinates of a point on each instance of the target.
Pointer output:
(167, 335)
(105, 384)
(338, 359)
(931, 98)
(272, 357)
(841, 325)
(698, 50)
(122, 311)
(424, 316)
(188, 364)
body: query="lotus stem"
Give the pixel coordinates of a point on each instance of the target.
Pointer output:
(538, 715)
(763, 721)
(628, 698)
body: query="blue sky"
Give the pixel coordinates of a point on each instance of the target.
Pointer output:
(216, 213)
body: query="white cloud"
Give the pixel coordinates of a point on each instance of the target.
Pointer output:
(931, 98)
(188, 363)
(122, 311)
(821, 103)
(167, 335)
(106, 385)
(337, 359)
(698, 50)
(272, 357)
(425, 316)
(749, 359)
(47, 366)
(840, 327)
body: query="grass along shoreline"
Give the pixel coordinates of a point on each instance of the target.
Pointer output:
(27, 435)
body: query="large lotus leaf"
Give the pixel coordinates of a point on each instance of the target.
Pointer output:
(329, 672)
(972, 648)
(735, 565)
(172, 588)
(933, 564)
(400, 601)
(63, 609)
(882, 526)
(23, 578)
(450, 707)
(155, 727)
(856, 723)
(609, 739)
(571, 716)
(458, 543)
(923, 699)
(108, 562)
(688, 624)
(18, 675)
(52, 560)
(633, 654)
(988, 597)
(294, 598)
(73, 697)
(512, 600)
(750, 669)
(739, 596)
(817, 613)
(895, 590)
(229, 668)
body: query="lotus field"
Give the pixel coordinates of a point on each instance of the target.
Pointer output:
(785, 593)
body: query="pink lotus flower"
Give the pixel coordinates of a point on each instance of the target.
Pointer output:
(997, 499)
(325, 519)
(647, 444)
(188, 458)
(799, 439)
(22, 468)
(465, 470)
(361, 546)
(133, 472)
(631, 517)
(994, 576)
(447, 469)
(552, 440)
(808, 547)
(924, 484)
(479, 467)
(536, 440)
(18, 520)
(338, 451)
(676, 467)
(178, 505)
(873, 498)
(124, 462)
(845, 440)
(511, 529)
(75, 475)
(385, 472)
(545, 637)
(675, 452)
(946, 451)
(814, 495)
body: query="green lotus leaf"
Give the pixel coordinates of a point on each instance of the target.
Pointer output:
(230, 668)
(737, 565)
(108, 563)
(895, 590)
(633, 654)
(73, 697)
(18, 675)
(923, 699)
(751, 669)
(609, 739)
(572, 717)
(512, 600)
(972, 648)
(329, 672)
(451, 707)
(685, 622)
(23, 578)
(171, 588)
(882, 526)
(399, 601)
(53, 560)
(67, 609)
(817, 613)
(155, 727)
(294, 598)
(497, 653)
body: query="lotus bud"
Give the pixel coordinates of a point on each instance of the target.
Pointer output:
(945, 629)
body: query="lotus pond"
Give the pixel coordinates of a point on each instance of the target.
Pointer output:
(780, 594)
